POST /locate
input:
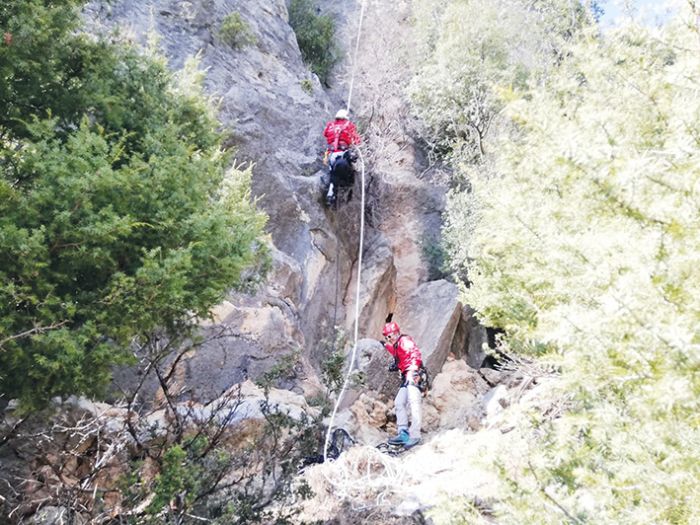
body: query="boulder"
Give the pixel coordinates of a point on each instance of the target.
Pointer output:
(241, 403)
(456, 395)
(370, 417)
(430, 316)
(371, 364)
(494, 377)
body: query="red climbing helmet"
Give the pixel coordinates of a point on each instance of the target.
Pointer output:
(390, 328)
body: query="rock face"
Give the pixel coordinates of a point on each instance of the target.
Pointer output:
(377, 293)
(273, 110)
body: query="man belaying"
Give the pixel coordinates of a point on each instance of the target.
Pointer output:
(408, 361)
(341, 135)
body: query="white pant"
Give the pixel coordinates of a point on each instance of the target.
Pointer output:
(408, 397)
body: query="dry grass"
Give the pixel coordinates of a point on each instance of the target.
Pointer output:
(363, 477)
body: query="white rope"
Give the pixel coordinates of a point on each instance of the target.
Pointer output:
(357, 310)
(359, 256)
(357, 47)
(364, 476)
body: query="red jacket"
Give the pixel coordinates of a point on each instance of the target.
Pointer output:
(406, 353)
(340, 135)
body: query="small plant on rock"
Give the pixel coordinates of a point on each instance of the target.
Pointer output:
(235, 31)
(307, 86)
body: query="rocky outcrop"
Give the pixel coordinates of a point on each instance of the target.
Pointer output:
(273, 110)
(430, 315)
(456, 397)
(470, 339)
(377, 289)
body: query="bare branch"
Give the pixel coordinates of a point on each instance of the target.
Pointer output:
(38, 329)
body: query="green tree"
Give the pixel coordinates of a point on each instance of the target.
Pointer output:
(316, 37)
(116, 215)
(584, 246)
(470, 52)
(40, 60)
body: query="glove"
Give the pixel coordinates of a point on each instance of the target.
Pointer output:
(393, 367)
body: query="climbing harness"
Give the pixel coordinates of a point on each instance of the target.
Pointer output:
(338, 130)
(359, 256)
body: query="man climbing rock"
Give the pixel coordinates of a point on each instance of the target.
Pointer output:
(341, 135)
(408, 361)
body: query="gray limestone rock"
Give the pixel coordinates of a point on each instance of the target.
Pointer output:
(274, 110)
(430, 316)
(470, 338)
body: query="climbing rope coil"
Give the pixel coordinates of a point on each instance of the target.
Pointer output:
(359, 256)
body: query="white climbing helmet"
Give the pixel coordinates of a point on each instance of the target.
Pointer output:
(342, 114)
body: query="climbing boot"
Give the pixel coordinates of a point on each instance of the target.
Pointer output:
(399, 439)
(330, 200)
(411, 442)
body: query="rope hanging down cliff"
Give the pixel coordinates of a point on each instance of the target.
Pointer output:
(359, 256)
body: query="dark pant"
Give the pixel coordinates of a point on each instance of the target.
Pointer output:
(342, 174)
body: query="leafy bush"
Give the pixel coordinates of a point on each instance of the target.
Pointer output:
(434, 254)
(114, 221)
(332, 370)
(470, 53)
(315, 36)
(584, 245)
(235, 31)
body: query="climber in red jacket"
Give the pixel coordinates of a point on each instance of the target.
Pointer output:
(341, 135)
(408, 361)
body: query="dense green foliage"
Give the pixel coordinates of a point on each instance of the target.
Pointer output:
(116, 217)
(579, 236)
(469, 52)
(315, 36)
(235, 31)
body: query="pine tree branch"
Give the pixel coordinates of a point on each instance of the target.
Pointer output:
(543, 490)
(36, 330)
